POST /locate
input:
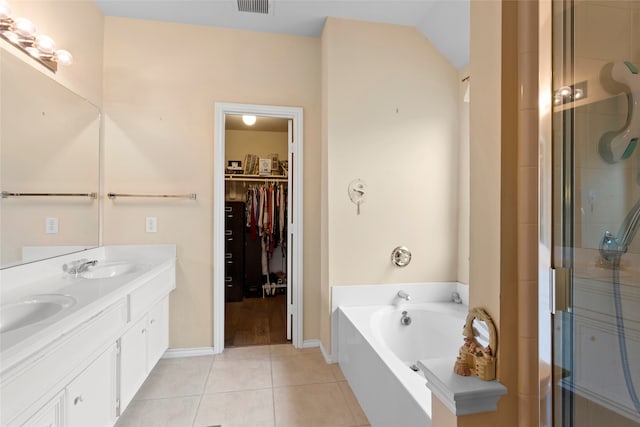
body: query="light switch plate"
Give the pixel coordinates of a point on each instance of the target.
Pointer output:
(151, 224)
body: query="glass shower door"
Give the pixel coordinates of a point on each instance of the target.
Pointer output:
(596, 213)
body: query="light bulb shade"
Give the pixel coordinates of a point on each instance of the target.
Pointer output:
(11, 36)
(63, 57)
(33, 51)
(24, 27)
(45, 44)
(249, 120)
(565, 91)
(5, 10)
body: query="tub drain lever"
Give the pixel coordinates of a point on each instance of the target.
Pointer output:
(405, 320)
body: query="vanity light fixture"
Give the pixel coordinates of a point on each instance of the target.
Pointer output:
(571, 93)
(21, 33)
(248, 119)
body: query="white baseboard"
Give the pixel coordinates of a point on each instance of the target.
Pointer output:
(317, 343)
(327, 357)
(311, 343)
(173, 353)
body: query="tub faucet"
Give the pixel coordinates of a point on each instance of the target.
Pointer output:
(404, 295)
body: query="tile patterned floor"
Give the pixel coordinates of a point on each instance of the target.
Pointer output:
(270, 386)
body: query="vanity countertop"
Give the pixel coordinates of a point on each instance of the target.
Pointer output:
(91, 296)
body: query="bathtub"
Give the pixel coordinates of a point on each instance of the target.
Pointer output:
(376, 352)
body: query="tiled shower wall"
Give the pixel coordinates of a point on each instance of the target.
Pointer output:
(604, 32)
(527, 212)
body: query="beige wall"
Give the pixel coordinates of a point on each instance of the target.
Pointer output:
(261, 143)
(392, 121)
(161, 83)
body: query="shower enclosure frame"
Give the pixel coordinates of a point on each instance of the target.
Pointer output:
(557, 333)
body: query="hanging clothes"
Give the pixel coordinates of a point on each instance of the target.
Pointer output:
(266, 209)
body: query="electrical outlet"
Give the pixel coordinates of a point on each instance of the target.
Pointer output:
(51, 225)
(151, 224)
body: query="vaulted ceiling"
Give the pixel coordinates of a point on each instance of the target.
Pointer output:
(444, 22)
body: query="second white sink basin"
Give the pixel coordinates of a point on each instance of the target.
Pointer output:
(104, 270)
(32, 309)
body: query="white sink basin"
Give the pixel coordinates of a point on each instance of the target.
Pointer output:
(104, 270)
(32, 309)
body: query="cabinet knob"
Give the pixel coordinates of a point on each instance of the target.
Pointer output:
(78, 399)
(152, 321)
(143, 330)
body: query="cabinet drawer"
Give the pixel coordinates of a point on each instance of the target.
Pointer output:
(147, 295)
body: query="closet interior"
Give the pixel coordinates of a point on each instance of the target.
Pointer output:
(255, 230)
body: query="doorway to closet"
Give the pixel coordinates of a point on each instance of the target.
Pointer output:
(257, 231)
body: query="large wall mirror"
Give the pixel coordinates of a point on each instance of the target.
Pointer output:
(49, 166)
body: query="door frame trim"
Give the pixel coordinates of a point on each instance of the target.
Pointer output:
(296, 191)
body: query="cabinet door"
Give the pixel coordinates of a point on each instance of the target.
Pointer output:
(90, 397)
(158, 339)
(133, 361)
(49, 416)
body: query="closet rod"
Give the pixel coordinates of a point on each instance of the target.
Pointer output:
(191, 196)
(6, 194)
(253, 178)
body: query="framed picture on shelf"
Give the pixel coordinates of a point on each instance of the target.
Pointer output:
(264, 166)
(234, 167)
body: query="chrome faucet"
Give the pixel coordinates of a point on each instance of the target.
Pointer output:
(455, 297)
(404, 295)
(78, 266)
(612, 246)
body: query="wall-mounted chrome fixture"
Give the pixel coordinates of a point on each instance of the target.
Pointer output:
(21, 33)
(571, 93)
(400, 256)
(357, 193)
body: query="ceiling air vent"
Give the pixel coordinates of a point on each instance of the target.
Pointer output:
(263, 7)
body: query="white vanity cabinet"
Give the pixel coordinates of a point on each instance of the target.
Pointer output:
(83, 370)
(141, 348)
(146, 341)
(50, 415)
(88, 400)
(91, 397)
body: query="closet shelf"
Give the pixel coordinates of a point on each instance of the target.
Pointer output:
(255, 178)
